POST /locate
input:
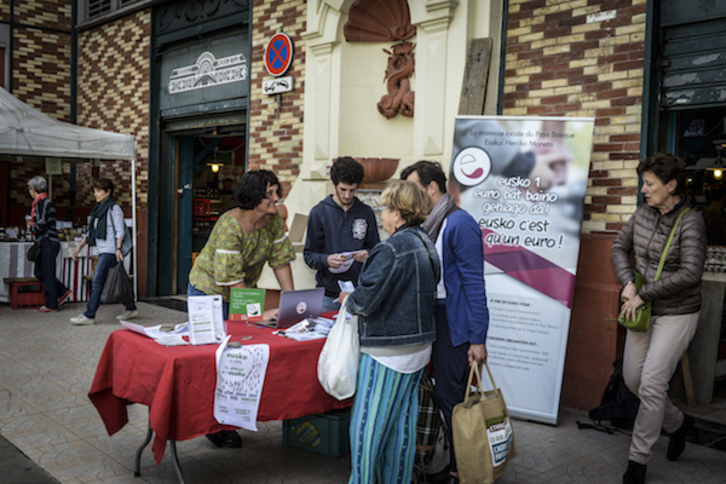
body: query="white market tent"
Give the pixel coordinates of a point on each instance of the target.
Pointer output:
(27, 132)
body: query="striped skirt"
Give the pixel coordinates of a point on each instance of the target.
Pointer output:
(383, 424)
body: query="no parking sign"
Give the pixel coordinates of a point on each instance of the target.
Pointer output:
(278, 54)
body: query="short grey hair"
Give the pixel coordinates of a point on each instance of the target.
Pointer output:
(38, 183)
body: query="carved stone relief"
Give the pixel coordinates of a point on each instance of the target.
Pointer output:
(381, 21)
(400, 97)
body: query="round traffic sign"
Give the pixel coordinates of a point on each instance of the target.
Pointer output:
(278, 54)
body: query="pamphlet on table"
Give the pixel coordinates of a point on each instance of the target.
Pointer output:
(241, 371)
(206, 320)
(175, 338)
(246, 304)
(307, 329)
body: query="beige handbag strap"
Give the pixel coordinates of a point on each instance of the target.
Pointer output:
(475, 369)
(472, 370)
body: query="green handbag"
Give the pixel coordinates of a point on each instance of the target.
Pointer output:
(642, 314)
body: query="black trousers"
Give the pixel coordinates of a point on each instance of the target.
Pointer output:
(45, 272)
(451, 370)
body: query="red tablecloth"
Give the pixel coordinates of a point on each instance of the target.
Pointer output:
(177, 383)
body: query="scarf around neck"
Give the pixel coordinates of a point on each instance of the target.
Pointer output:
(98, 231)
(432, 224)
(37, 198)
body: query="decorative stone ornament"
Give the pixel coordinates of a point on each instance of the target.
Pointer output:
(382, 21)
(400, 97)
(379, 21)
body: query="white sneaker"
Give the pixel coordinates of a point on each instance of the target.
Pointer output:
(128, 314)
(82, 320)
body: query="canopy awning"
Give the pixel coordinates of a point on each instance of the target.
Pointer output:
(25, 131)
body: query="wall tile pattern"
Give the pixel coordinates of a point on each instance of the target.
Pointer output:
(41, 77)
(113, 95)
(584, 58)
(276, 131)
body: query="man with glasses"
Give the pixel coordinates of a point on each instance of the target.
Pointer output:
(341, 231)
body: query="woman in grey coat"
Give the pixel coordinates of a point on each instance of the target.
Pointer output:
(651, 357)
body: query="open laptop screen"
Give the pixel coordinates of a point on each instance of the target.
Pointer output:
(298, 305)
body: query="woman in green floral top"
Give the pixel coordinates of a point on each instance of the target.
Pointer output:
(242, 240)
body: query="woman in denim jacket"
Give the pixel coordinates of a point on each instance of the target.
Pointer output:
(395, 301)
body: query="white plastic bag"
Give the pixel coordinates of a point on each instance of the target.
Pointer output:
(339, 359)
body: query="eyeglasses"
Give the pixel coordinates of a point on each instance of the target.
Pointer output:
(382, 208)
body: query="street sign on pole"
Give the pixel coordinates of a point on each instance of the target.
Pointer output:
(278, 54)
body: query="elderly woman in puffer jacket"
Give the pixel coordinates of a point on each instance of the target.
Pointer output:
(651, 357)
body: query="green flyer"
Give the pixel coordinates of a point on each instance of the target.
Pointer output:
(246, 304)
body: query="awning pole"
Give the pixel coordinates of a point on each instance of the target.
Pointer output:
(135, 259)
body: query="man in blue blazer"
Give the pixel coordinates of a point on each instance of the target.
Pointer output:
(462, 316)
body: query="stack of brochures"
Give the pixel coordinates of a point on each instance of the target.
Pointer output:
(308, 328)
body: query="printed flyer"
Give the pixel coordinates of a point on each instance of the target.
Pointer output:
(523, 179)
(241, 371)
(206, 321)
(246, 304)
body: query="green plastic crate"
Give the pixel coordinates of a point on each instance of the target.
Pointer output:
(324, 433)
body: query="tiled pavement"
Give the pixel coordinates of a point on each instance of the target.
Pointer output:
(46, 368)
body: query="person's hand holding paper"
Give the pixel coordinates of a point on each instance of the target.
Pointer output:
(344, 261)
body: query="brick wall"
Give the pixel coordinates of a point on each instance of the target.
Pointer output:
(41, 77)
(41, 65)
(584, 58)
(113, 95)
(276, 132)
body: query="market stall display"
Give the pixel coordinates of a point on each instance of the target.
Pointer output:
(25, 131)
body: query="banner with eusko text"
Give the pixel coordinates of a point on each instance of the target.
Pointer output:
(523, 179)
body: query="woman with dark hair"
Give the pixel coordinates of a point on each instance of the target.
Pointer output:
(42, 222)
(395, 300)
(242, 240)
(106, 231)
(651, 357)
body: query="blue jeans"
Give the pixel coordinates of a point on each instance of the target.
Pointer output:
(193, 291)
(330, 304)
(45, 272)
(105, 263)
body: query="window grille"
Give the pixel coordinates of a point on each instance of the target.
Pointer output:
(97, 8)
(101, 8)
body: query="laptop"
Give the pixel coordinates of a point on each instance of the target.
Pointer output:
(298, 305)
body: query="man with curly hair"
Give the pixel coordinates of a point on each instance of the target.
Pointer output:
(337, 226)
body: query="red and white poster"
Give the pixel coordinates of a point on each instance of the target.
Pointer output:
(523, 179)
